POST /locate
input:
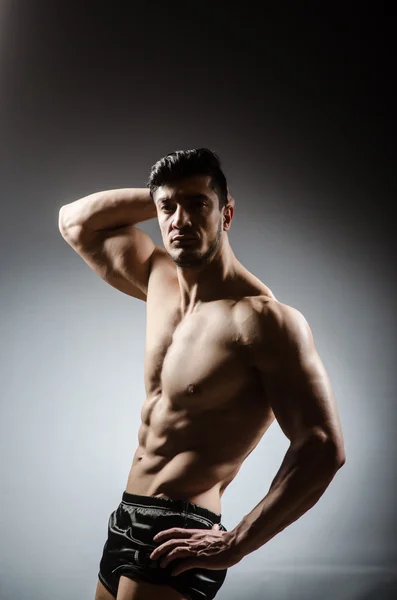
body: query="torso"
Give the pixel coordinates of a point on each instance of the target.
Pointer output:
(205, 409)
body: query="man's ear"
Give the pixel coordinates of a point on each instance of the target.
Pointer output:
(228, 216)
(230, 199)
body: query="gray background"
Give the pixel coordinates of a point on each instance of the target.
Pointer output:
(298, 107)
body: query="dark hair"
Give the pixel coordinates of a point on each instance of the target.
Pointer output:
(187, 163)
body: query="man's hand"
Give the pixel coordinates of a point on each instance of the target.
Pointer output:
(204, 549)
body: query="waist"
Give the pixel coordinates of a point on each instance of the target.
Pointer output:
(179, 505)
(185, 485)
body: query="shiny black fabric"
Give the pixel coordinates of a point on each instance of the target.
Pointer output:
(131, 529)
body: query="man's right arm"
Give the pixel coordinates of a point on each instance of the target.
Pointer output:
(101, 229)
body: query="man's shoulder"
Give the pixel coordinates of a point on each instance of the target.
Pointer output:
(264, 319)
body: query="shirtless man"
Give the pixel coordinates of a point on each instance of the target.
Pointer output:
(223, 359)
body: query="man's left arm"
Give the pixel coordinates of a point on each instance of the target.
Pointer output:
(299, 392)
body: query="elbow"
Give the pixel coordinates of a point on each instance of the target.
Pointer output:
(67, 225)
(332, 450)
(334, 458)
(331, 453)
(328, 466)
(340, 456)
(62, 221)
(337, 453)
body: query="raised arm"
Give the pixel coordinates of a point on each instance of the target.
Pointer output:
(101, 229)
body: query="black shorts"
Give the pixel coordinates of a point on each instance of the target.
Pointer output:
(127, 550)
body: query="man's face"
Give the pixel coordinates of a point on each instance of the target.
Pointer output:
(189, 207)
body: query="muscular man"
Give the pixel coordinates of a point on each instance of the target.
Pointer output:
(223, 359)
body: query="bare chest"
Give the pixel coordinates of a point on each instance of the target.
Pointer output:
(195, 361)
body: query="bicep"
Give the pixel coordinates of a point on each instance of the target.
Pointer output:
(121, 256)
(296, 383)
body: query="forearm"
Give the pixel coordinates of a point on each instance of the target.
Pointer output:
(109, 209)
(303, 477)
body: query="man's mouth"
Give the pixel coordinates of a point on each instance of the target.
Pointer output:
(183, 238)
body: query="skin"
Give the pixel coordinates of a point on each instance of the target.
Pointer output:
(223, 359)
(246, 358)
(192, 320)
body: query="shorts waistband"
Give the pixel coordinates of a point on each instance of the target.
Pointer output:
(177, 505)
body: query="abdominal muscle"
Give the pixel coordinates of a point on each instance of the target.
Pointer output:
(180, 477)
(193, 455)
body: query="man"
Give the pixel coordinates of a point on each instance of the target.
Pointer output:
(223, 359)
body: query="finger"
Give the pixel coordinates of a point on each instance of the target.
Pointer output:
(174, 555)
(174, 532)
(167, 546)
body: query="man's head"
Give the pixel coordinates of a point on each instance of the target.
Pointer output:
(185, 163)
(191, 196)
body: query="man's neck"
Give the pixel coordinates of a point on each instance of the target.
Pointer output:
(203, 284)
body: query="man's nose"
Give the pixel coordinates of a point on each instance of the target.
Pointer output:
(181, 218)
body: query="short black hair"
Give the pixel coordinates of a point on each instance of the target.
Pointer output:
(187, 163)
